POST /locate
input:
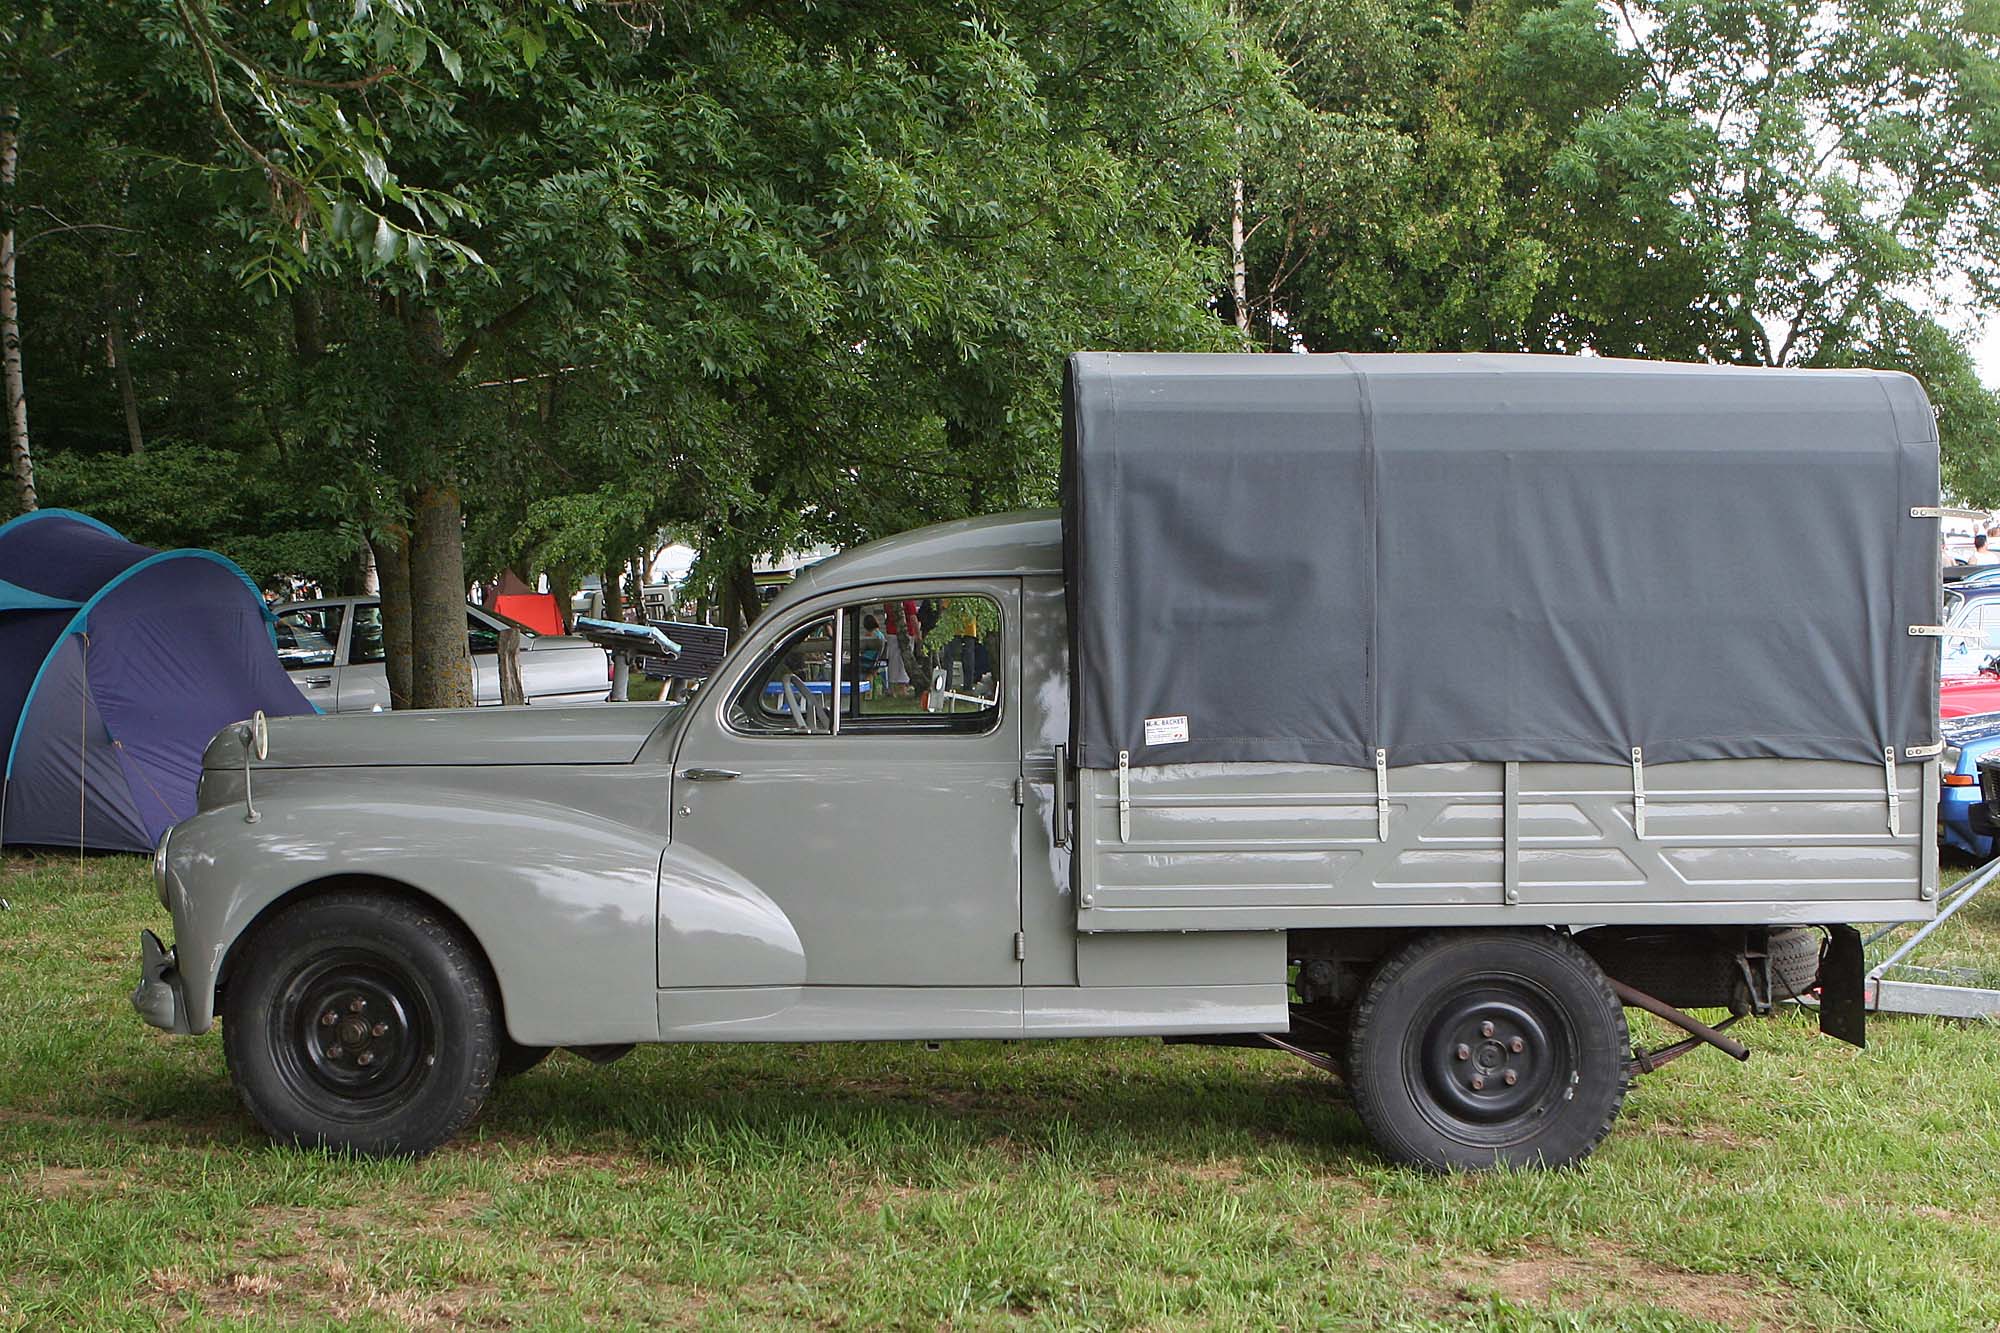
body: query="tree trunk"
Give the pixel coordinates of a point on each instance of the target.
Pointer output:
(440, 658)
(737, 595)
(562, 587)
(392, 571)
(121, 367)
(511, 689)
(11, 384)
(747, 599)
(636, 571)
(1239, 285)
(614, 597)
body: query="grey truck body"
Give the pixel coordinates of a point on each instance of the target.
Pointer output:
(928, 885)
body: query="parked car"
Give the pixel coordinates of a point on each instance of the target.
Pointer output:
(1969, 695)
(1967, 741)
(1591, 804)
(1972, 623)
(333, 648)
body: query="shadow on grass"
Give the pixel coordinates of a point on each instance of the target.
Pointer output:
(886, 1105)
(887, 1110)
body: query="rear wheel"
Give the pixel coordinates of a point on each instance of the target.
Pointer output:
(1475, 1049)
(361, 1022)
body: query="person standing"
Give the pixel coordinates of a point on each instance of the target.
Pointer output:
(1982, 550)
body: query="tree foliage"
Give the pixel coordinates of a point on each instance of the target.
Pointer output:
(770, 273)
(1771, 182)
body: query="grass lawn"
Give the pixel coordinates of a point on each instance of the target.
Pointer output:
(1062, 1185)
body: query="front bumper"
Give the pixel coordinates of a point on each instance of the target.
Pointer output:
(158, 997)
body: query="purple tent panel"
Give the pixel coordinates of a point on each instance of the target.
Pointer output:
(109, 693)
(66, 785)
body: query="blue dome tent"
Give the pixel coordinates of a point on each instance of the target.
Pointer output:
(118, 664)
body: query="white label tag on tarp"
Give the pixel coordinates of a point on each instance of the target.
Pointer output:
(1166, 730)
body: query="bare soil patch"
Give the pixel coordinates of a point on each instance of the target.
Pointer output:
(1608, 1273)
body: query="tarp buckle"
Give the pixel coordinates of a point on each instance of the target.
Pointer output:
(1638, 791)
(1124, 796)
(1940, 632)
(1895, 797)
(1381, 796)
(1940, 511)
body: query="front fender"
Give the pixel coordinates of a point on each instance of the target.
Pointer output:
(561, 900)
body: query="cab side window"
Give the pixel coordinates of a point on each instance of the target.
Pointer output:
(927, 665)
(789, 690)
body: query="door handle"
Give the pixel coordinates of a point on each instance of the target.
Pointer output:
(319, 680)
(709, 774)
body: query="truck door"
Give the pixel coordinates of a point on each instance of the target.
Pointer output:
(862, 771)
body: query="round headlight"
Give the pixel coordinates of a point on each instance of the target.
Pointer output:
(160, 868)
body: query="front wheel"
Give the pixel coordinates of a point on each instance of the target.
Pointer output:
(1475, 1049)
(361, 1022)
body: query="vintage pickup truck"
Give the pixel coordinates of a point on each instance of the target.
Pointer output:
(1245, 745)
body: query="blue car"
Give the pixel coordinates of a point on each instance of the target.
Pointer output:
(1966, 741)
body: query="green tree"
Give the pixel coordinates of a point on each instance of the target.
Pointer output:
(1771, 182)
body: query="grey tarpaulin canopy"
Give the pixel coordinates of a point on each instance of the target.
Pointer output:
(1491, 557)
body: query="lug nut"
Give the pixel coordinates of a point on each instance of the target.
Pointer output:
(1464, 1052)
(334, 1052)
(365, 1058)
(1517, 1045)
(381, 1028)
(328, 1019)
(1508, 1078)
(356, 1005)
(1486, 1029)
(1478, 1083)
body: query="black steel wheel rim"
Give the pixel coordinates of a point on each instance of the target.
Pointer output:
(1488, 1062)
(355, 1032)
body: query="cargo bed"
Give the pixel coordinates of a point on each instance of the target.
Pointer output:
(1250, 846)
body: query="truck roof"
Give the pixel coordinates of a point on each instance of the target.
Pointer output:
(1028, 541)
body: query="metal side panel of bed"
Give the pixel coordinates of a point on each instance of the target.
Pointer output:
(1270, 846)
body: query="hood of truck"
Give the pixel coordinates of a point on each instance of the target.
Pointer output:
(580, 734)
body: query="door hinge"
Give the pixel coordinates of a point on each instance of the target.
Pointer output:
(1020, 793)
(1020, 946)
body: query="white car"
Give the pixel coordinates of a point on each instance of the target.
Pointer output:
(333, 648)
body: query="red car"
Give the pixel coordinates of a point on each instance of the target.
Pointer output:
(1962, 696)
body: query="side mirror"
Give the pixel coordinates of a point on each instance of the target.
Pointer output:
(934, 698)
